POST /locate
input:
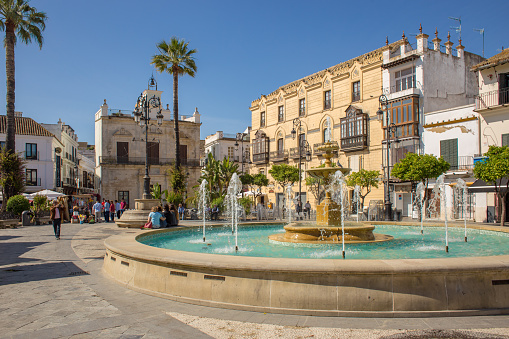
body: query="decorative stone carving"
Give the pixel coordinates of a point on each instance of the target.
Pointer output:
(123, 132)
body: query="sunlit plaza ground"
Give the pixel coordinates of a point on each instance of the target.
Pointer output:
(53, 289)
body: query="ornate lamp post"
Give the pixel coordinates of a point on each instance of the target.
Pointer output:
(142, 116)
(303, 145)
(389, 129)
(240, 137)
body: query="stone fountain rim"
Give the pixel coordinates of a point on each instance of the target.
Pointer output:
(128, 246)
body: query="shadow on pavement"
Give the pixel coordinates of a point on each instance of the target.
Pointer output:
(39, 272)
(12, 252)
(8, 237)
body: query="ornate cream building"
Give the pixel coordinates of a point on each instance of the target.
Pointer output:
(346, 95)
(120, 150)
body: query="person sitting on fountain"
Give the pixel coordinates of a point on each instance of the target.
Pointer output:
(215, 213)
(174, 220)
(155, 217)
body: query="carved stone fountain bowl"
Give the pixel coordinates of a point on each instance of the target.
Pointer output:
(308, 233)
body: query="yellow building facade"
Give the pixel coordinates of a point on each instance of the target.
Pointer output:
(338, 103)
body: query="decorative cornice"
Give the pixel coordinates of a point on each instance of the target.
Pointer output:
(448, 122)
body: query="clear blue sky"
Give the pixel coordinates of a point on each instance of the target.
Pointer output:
(101, 49)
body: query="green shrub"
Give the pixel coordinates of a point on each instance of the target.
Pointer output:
(17, 204)
(246, 204)
(219, 201)
(40, 203)
(174, 198)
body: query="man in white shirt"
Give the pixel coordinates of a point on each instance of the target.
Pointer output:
(97, 211)
(117, 208)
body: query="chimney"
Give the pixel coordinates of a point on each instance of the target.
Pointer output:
(104, 109)
(18, 114)
(436, 41)
(448, 44)
(422, 41)
(461, 50)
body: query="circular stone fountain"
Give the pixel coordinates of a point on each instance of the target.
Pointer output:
(328, 227)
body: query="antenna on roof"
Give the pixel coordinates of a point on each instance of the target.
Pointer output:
(481, 31)
(457, 29)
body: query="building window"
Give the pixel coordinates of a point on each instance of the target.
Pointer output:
(31, 151)
(505, 139)
(404, 114)
(183, 154)
(449, 151)
(302, 107)
(280, 144)
(122, 152)
(280, 114)
(58, 175)
(260, 147)
(231, 153)
(326, 100)
(356, 91)
(405, 79)
(302, 139)
(326, 135)
(124, 195)
(2, 144)
(31, 177)
(355, 163)
(262, 119)
(153, 153)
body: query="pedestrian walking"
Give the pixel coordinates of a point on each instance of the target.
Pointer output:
(181, 211)
(106, 211)
(97, 208)
(112, 211)
(307, 209)
(122, 206)
(56, 212)
(118, 208)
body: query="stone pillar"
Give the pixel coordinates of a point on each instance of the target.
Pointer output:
(422, 41)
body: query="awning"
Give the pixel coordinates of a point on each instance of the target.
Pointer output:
(480, 186)
(469, 183)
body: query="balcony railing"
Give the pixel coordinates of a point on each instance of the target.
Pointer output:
(141, 161)
(356, 96)
(294, 152)
(464, 163)
(326, 104)
(261, 158)
(69, 182)
(31, 156)
(279, 155)
(354, 143)
(36, 182)
(492, 98)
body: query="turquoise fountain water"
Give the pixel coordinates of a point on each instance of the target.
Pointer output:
(408, 243)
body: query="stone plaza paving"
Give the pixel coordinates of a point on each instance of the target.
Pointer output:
(55, 289)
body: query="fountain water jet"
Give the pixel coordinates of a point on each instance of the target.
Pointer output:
(462, 198)
(337, 189)
(289, 195)
(232, 205)
(440, 195)
(357, 198)
(420, 193)
(203, 201)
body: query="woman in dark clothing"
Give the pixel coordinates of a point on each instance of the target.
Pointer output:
(167, 215)
(174, 221)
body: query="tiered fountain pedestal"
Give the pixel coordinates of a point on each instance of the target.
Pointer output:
(311, 234)
(137, 217)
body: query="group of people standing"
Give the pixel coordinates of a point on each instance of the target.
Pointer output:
(109, 208)
(166, 216)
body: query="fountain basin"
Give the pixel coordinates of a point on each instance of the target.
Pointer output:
(325, 287)
(307, 233)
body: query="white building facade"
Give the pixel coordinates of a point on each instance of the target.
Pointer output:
(232, 146)
(39, 148)
(417, 79)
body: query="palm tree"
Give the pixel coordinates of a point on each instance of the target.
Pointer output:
(17, 18)
(175, 58)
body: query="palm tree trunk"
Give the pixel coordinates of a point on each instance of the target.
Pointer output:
(176, 117)
(10, 97)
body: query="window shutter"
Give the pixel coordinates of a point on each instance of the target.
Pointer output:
(505, 139)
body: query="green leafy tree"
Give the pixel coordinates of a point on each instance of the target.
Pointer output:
(210, 172)
(493, 170)
(284, 174)
(17, 204)
(226, 170)
(177, 178)
(155, 191)
(17, 20)
(12, 174)
(316, 187)
(420, 168)
(177, 59)
(260, 180)
(366, 180)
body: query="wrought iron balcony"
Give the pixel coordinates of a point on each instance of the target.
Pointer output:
(464, 163)
(261, 158)
(280, 155)
(294, 152)
(354, 143)
(492, 98)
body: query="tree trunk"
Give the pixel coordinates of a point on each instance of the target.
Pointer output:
(502, 196)
(176, 116)
(10, 97)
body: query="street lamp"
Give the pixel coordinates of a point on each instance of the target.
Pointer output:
(302, 144)
(240, 137)
(142, 116)
(389, 129)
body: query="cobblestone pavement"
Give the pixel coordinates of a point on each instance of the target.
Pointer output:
(54, 288)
